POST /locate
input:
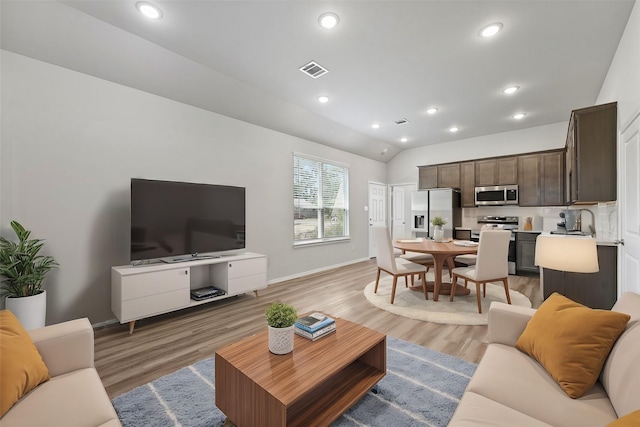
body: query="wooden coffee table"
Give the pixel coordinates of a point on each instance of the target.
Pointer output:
(312, 386)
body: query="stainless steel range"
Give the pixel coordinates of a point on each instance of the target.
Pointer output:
(506, 223)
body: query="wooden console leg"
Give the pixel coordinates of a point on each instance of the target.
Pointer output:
(132, 324)
(256, 292)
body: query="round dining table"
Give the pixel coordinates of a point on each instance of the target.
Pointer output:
(442, 252)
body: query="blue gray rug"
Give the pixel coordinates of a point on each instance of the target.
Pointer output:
(422, 388)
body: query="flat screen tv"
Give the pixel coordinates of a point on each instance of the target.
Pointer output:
(178, 221)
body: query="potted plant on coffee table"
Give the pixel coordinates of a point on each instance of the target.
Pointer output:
(281, 318)
(438, 232)
(22, 271)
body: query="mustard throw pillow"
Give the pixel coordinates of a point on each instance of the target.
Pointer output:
(571, 341)
(21, 366)
(629, 420)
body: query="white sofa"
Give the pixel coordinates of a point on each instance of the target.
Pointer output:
(74, 396)
(509, 388)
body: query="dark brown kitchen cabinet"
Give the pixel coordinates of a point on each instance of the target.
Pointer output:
(485, 172)
(591, 154)
(507, 170)
(449, 175)
(595, 290)
(526, 253)
(529, 180)
(498, 171)
(541, 179)
(467, 184)
(427, 177)
(552, 178)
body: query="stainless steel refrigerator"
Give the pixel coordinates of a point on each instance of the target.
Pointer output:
(427, 204)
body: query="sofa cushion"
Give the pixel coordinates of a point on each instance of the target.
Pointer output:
(76, 399)
(571, 341)
(21, 366)
(620, 376)
(629, 420)
(513, 379)
(476, 410)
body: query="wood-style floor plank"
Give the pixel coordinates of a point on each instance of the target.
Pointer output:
(163, 344)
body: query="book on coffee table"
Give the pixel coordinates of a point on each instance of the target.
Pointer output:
(314, 322)
(317, 334)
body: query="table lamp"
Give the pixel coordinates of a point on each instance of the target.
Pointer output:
(574, 254)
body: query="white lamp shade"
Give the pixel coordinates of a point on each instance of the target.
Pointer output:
(567, 253)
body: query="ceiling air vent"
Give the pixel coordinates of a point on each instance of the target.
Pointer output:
(401, 121)
(314, 69)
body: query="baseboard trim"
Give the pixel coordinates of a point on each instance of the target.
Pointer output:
(318, 270)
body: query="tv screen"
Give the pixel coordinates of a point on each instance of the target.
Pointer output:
(178, 220)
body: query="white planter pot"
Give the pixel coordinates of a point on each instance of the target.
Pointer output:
(438, 233)
(30, 311)
(281, 340)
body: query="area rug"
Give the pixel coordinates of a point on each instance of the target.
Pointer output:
(422, 388)
(462, 311)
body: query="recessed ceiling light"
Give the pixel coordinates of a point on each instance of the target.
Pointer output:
(432, 110)
(384, 151)
(404, 139)
(375, 125)
(511, 89)
(328, 20)
(323, 99)
(490, 30)
(149, 10)
(454, 129)
(519, 116)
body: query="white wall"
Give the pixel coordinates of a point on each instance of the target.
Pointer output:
(404, 166)
(70, 144)
(622, 83)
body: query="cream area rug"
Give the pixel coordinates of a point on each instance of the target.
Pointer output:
(462, 311)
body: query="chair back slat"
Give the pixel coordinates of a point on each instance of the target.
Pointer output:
(385, 257)
(493, 250)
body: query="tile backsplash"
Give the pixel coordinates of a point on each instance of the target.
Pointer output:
(547, 218)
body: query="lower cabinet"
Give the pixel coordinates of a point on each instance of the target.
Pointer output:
(595, 290)
(140, 291)
(526, 253)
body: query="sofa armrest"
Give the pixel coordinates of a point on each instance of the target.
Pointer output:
(65, 347)
(507, 322)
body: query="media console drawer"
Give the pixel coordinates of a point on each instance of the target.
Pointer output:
(141, 285)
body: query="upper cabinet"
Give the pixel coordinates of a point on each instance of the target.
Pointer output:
(500, 171)
(540, 177)
(591, 154)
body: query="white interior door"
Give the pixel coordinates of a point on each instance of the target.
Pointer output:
(377, 212)
(401, 211)
(630, 208)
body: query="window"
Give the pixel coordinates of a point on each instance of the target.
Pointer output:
(320, 200)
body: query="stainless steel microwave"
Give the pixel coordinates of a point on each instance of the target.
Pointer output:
(497, 195)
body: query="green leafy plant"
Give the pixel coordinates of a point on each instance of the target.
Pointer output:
(437, 220)
(22, 270)
(281, 315)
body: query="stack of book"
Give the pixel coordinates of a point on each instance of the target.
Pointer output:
(315, 326)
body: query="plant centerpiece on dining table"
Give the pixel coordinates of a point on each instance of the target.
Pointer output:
(438, 232)
(22, 272)
(281, 318)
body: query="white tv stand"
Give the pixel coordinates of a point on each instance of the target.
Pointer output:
(141, 291)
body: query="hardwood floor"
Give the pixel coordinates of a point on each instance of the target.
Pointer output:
(163, 344)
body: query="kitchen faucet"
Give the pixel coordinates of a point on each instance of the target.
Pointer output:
(592, 226)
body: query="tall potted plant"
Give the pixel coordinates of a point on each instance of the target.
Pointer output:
(281, 318)
(22, 271)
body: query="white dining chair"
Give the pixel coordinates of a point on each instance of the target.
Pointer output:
(491, 264)
(397, 267)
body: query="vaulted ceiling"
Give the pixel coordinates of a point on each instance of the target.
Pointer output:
(388, 61)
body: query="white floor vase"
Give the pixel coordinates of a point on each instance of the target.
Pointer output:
(30, 311)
